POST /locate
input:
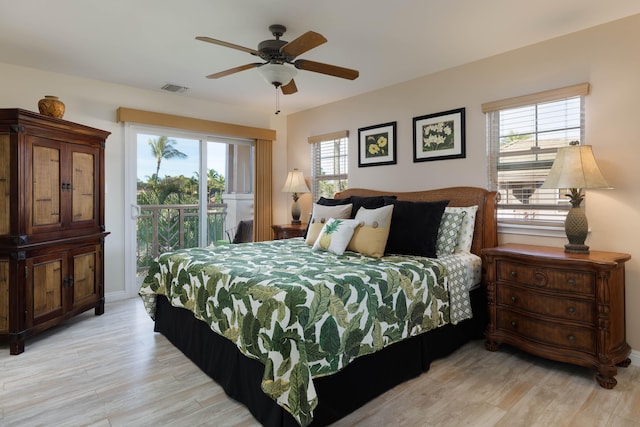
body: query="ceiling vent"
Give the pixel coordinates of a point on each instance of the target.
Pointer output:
(170, 87)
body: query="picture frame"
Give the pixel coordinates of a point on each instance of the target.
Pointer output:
(439, 136)
(377, 145)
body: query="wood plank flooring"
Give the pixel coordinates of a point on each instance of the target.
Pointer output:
(109, 370)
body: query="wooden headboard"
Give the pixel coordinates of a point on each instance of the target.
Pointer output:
(485, 234)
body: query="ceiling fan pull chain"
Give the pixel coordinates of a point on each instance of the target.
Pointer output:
(277, 101)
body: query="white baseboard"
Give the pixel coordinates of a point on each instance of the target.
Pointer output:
(635, 357)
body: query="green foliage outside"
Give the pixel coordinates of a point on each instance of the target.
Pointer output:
(329, 188)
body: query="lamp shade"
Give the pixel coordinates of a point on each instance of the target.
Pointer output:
(295, 183)
(277, 74)
(575, 167)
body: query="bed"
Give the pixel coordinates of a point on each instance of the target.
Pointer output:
(304, 337)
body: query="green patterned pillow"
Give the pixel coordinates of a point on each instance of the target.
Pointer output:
(335, 235)
(465, 234)
(448, 232)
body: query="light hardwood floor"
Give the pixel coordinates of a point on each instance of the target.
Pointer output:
(112, 370)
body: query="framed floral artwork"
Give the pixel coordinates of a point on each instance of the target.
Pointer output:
(377, 145)
(439, 136)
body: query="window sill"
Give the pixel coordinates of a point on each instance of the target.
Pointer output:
(533, 230)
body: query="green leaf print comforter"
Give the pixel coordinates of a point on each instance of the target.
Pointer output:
(303, 314)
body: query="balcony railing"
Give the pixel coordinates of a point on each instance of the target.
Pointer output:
(162, 228)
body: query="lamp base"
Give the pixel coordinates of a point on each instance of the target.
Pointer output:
(295, 210)
(577, 228)
(571, 248)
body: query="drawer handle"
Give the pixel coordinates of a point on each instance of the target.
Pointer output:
(514, 273)
(571, 310)
(514, 323)
(514, 298)
(572, 339)
(571, 282)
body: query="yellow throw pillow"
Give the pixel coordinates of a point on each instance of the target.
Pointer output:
(371, 238)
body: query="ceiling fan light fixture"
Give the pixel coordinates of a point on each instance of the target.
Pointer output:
(277, 74)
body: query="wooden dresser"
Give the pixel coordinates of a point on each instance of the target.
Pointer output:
(288, 231)
(565, 307)
(51, 223)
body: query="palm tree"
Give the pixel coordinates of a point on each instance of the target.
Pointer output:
(215, 185)
(163, 148)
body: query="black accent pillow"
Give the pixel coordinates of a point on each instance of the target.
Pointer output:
(414, 227)
(328, 202)
(371, 202)
(333, 202)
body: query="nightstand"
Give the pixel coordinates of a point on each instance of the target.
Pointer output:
(565, 307)
(288, 231)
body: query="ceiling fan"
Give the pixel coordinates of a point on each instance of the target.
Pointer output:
(280, 64)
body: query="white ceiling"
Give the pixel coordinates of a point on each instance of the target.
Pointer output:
(148, 43)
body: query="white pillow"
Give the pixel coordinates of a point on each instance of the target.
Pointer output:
(335, 235)
(465, 235)
(320, 214)
(371, 238)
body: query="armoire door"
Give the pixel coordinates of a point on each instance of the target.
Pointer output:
(83, 186)
(43, 186)
(85, 275)
(45, 287)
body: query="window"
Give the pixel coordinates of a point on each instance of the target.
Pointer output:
(524, 135)
(329, 164)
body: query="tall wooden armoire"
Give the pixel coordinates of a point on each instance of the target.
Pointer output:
(51, 223)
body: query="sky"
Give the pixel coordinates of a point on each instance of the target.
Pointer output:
(216, 153)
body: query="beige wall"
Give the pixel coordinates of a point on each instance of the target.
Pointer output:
(94, 103)
(606, 56)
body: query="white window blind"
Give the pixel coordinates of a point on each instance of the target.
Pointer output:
(524, 135)
(329, 164)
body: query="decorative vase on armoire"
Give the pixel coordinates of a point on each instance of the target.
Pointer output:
(51, 106)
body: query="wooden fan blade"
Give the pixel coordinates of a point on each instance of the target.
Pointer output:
(289, 88)
(233, 70)
(305, 42)
(227, 44)
(332, 70)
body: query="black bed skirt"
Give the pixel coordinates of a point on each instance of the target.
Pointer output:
(338, 395)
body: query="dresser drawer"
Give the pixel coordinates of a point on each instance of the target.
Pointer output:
(547, 305)
(567, 337)
(548, 278)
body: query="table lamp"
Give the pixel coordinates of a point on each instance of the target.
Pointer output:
(295, 184)
(575, 168)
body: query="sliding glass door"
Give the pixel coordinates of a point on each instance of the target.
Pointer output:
(183, 191)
